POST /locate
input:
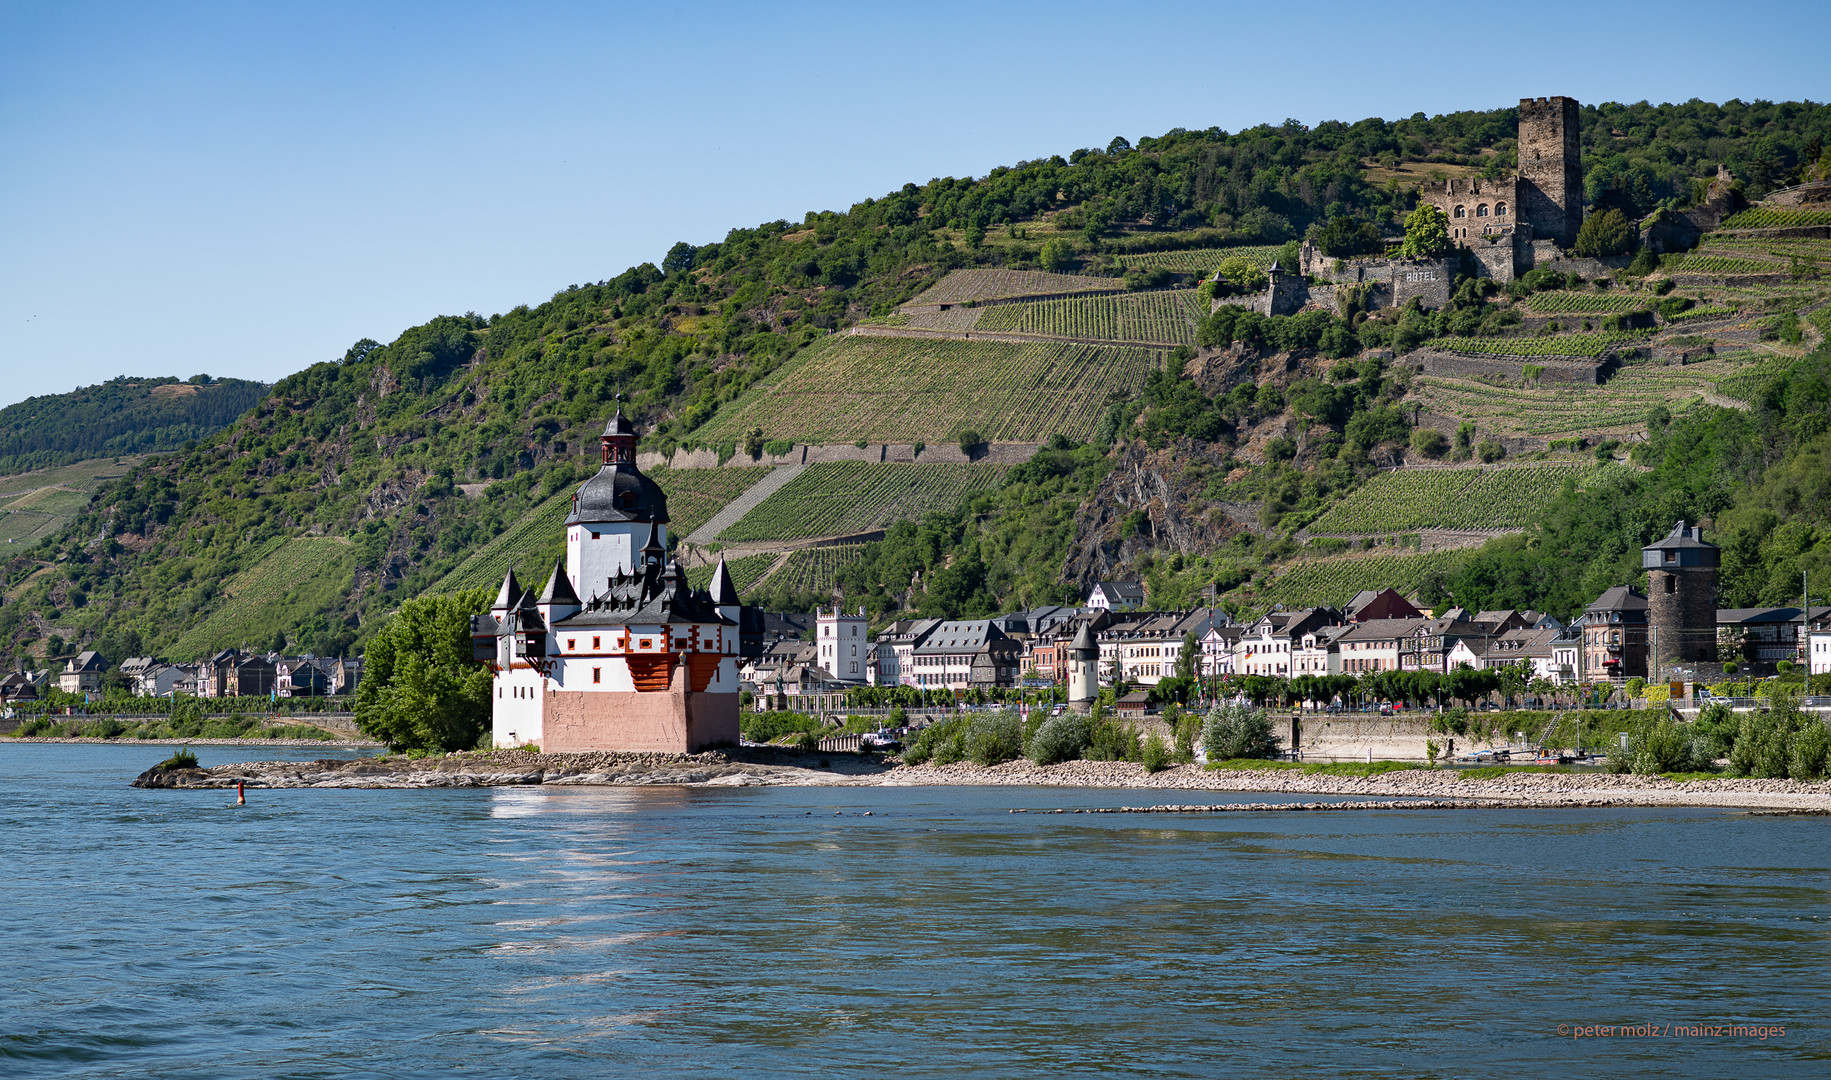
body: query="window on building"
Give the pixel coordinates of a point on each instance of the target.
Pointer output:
(1459, 213)
(1671, 583)
(570, 644)
(597, 674)
(594, 643)
(1482, 210)
(1500, 209)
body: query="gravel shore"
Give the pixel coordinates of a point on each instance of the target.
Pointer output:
(757, 766)
(366, 744)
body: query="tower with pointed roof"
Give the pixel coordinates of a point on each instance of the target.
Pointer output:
(1083, 666)
(618, 651)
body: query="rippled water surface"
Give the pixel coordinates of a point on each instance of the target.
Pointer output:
(770, 931)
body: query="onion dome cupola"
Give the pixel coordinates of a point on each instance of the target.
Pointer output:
(619, 492)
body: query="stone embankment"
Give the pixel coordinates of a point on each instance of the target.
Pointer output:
(506, 768)
(757, 766)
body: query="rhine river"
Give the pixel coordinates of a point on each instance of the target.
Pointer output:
(592, 932)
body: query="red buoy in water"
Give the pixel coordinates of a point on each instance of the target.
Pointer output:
(240, 798)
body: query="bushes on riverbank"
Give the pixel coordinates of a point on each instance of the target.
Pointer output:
(216, 727)
(1778, 742)
(991, 738)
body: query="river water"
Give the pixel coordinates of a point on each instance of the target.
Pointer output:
(594, 932)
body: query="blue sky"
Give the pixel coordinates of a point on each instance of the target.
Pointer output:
(244, 190)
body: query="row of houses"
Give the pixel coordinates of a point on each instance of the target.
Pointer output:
(229, 673)
(1378, 630)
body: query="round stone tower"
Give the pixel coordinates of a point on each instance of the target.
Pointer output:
(1083, 667)
(1681, 598)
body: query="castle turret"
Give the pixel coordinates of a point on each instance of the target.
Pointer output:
(1681, 597)
(1083, 666)
(723, 592)
(612, 513)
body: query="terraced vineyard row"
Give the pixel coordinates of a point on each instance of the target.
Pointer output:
(1622, 403)
(841, 497)
(26, 526)
(1335, 581)
(1502, 497)
(523, 546)
(1557, 303)
(1199, 260)
(1779, 247)
(744, 570)
(1167, 318)
(1719, 264)
(1707, 311)
(817, 569)
(967, 286)
(1752, 378)
(1527, 348)
(1760, 218)
(293, 574)
(694, 495)
(902, 390)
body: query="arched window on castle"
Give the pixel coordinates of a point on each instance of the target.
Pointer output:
(1500, 209)
(1459, 212)
(1482, 210)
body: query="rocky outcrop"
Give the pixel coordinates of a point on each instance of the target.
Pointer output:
(1152, 501)
(751, 766)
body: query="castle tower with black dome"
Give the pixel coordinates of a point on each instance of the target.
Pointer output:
(619, 652)
(615, 514)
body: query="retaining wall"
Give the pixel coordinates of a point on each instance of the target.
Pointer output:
(1551, 373)
(813, 454)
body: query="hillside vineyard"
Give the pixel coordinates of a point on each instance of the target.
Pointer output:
(1480, 358)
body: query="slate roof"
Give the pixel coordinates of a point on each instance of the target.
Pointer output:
(1619, 598)
(647, 599)
(961, 635)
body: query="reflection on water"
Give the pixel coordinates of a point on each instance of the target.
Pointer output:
(683, 932)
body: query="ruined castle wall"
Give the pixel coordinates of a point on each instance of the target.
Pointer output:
(1476, 206)
(1428, 281)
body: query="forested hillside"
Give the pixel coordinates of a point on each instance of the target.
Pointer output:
(121, 416)
(415, 454)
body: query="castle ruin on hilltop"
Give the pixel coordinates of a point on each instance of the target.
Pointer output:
(1508, 225)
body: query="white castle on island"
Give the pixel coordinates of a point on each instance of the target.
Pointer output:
(645, 662)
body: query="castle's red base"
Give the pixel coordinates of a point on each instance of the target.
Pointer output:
(666, 721)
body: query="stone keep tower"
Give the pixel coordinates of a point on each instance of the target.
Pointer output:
(1681, 597)
(1550, 169)
(1083, 666)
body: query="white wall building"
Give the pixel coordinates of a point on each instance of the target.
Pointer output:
(842, 646)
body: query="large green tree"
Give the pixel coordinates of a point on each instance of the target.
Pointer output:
(1607, 232)
(420, 690)
(1427, 233)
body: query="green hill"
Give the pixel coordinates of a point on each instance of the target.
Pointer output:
(121, 416)
(441, 454)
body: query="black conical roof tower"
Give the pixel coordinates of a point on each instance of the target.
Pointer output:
(559, 587)
(722, 591)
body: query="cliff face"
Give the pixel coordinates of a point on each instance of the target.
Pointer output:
(1155, 500)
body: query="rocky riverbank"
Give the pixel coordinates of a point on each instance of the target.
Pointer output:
(756, 766)
(361, 744)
